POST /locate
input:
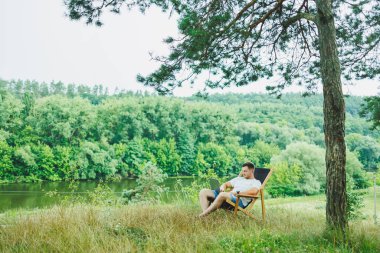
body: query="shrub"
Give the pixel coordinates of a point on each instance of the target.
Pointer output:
(284, 180)
(148, 187)
(355, 201)
(310, 160)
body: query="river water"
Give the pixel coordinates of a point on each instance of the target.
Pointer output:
(35, 195)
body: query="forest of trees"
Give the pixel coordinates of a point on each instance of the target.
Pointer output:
(60, 132)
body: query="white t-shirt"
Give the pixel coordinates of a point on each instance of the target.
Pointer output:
(243, 184)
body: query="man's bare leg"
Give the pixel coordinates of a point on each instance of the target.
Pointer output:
(222, 197)
(204, 196)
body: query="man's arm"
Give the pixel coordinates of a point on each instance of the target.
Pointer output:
(224, 186)
(253, 191)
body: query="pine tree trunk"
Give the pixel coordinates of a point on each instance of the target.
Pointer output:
(334, 118)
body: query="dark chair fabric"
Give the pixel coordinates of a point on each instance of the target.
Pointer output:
(261, 174)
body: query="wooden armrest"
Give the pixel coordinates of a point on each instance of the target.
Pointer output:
(248, 196)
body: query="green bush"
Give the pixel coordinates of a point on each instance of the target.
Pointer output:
(149, 185)
(45, 163)
(355, 172)
(96, 160)
(65, 165)
(284, 179)
(309, 159)
(131, 155)
(355, 201)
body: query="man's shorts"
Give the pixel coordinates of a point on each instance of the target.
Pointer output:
(232, 198)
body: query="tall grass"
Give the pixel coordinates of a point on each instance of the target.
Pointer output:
(293, 225)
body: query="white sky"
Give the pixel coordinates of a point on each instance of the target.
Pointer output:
(37, 42)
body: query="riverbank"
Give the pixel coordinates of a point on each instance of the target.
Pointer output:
(293, 225)
(36, 195)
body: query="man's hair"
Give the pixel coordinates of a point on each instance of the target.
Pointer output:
(249, 165)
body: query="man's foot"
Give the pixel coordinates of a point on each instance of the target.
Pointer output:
(202, 215)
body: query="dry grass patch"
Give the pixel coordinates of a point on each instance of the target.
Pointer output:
(176, 228)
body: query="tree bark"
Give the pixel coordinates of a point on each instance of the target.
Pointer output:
(334, 118)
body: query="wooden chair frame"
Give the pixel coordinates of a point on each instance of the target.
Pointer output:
(248, 208)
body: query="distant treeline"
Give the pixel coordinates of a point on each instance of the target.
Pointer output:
(60, 132)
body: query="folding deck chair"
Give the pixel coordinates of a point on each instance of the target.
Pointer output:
(261, 174)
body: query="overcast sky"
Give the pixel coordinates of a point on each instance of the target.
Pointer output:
(37, 42)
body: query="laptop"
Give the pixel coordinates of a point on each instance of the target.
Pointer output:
(214, 184)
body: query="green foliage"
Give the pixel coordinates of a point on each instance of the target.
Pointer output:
(45, 168)
(284, 180)
(203, 182)
(102, 195)
(261, 153)
(64, 162)
(249, 133)
(26, 136)
(210, 123)
(10, 114)
(166, 156)
(277, 134)
(371, 110)
(238, 155)
(186, 149)
(148, 187)
(354, 171)
(97, 136)
(355, 201)
(95, 160)
(132, 155)
(62, 121)
(6, 166)
(295, 173)
(25, 160)
(265, 243)
(200, 165)
(310, 160)
(367, 150)
(29, 101)
(214, 157)
(4, 135)
(120, 120)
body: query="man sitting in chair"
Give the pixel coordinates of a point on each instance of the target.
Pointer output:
(245, 183)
